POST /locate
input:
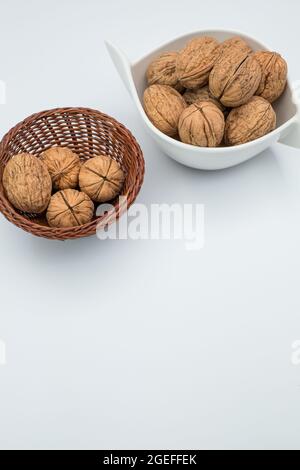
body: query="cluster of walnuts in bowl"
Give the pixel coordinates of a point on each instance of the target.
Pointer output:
(210, 94)
(58, 184)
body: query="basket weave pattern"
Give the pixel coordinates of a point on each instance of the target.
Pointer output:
(88, 133)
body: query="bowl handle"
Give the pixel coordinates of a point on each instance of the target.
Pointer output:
(292, 135)
(122, 65)
(292, 139)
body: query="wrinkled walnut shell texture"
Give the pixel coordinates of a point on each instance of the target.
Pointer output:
(230, 44)
(27, 183)
(162, 71)
(196, 60)
(274, 75)
(69, 208)
(202, 124)
(250, 121)
(63, 166)
(101, 178)
(201, 94)
(163, 106)
(217, 77)
(235, 78)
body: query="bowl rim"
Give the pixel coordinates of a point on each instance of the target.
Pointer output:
(217, 151)
(29, 225)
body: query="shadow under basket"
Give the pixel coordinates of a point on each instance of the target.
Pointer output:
(88, 133)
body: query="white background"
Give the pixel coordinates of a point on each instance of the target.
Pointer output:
(143, 344)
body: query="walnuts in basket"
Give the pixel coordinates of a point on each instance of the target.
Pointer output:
(29, 181)
(101, 178)
(69, 208)
(63, 166)
(222, 83)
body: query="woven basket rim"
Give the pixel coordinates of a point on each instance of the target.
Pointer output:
(83, 230)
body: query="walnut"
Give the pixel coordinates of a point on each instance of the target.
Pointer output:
(202, 124)
(196, 60)
(231, 43)
(69, 208)
(101, 178)
(63, 166)
(201, 94)
(250, 121)
(27, 183)
(274, 75)
(235, 78)
(162, 71)
(163, 106)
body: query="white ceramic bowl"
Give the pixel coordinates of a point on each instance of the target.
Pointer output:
(287, 110)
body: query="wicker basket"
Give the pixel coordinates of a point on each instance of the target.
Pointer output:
(88, 133)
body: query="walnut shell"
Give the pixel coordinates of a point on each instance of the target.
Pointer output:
(231, 43)
(196, 60)
(235, 78)
(201, 94)
(101, 178)
(27, 183)
(69, 208)
(63, 166)
(274, 75)
(163, 106)
(250, 121)
(162, 71)
(202, 124)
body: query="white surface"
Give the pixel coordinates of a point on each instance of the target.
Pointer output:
(143, 344)
(134, 78)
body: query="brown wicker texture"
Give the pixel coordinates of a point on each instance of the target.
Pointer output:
(88, 133)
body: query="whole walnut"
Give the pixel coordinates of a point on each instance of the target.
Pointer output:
(27, 183)
(63, 166)
(250, 121)
(274, 75)
(162, 71)
(163, 106)
(235, 78)
(101, 178)
(201, 94)
(202, 124)
(232, 43)
(69, 208)
(196, 60)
